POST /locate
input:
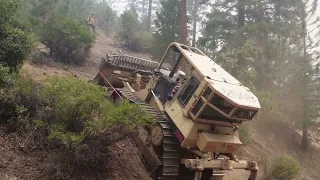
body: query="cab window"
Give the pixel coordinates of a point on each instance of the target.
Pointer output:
(188, 91)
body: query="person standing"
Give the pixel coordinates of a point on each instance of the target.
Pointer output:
(91, 22)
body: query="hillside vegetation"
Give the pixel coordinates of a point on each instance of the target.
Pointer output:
(55, 124)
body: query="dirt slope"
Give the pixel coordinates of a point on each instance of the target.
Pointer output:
(275, 138)
(125, 163)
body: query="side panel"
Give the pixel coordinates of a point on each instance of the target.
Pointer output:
(176, 117)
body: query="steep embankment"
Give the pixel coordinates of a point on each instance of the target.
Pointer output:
(15, 163)
(269, 139)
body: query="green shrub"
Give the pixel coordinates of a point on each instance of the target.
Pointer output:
(69, 40)
(126, 115)
(7, 104)
(77, 108)
(245, 134)
(142, 41)
(26, 93)
(72, 104)
(129, 24)
(16, 38)
(284, 167)
(79, 116)
(6, 77)
(17, 97)
(131, 32)
(8, 107)
(70, 114)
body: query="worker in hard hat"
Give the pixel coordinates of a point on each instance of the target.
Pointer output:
(91, 22)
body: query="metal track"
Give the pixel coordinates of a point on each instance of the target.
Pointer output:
(133, 63)
(170, 157)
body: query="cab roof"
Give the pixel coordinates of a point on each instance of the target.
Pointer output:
(220, 80)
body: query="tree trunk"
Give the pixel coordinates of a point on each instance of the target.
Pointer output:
(240, 39)
(304, 143)
(194, 16)
(133, 6)
(241, 13)
(144, 15)
(183, 23)
(149, 16)
(143, 8)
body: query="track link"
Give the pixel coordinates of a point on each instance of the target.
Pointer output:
(133, 63)
(170, 156)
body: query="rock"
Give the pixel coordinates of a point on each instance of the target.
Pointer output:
(136, 175)
(8, 177)
(3, 163)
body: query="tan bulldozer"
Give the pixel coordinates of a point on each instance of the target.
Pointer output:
(197, 107)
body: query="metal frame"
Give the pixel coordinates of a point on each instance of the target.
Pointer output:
(199, 165)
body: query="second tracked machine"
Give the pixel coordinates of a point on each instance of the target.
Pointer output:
(197, 107)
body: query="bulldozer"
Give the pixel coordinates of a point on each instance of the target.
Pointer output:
(197, 108)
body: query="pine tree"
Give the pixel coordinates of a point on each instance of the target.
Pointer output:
(198, 9)
(167, 26)
(145, 10)
(183, 22)
(260, 43)
(153, 8)
(106, 17)
(16, 38)
(310, 110)
(267, 46)
(77, 9)
(149, 15)
(194, 19)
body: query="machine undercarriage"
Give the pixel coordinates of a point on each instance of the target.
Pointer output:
(162, 146)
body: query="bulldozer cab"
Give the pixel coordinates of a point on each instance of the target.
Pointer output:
(201, 89)
(169, 76)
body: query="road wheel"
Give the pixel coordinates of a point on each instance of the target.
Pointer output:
(156, 135)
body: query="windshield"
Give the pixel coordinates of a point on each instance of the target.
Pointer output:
(212, 106)
(175, 61)
(171, 59)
